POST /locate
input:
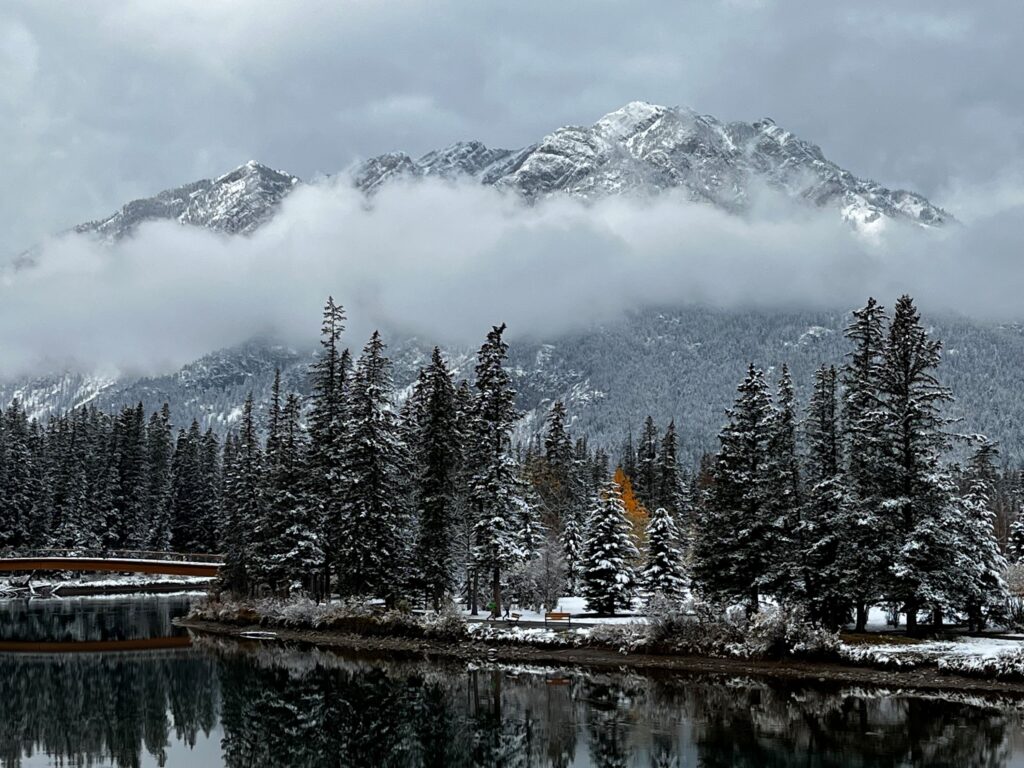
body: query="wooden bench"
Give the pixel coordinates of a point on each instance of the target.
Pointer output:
(557, 616)
(513, 618)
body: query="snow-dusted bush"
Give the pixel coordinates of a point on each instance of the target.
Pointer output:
(625, 638)
(691, 626)
(778, 631)
(446, 624)
(1004, 666)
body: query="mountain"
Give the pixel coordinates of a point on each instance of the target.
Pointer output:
(645, 149)
(681, 364)
(641, 149)
(236, 203)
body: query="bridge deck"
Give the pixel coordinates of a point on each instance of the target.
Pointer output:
(109, 565)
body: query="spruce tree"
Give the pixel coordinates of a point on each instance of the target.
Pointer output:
(671, 493)
(496, 489)
(919, 513)
(735, 531)
(867, 463)
(782, 494)
(160, 451)
(981, 590)
(645, 481)
(327, 426)
(244, 507)
(826, 536)
(370, 540)
(663, 565)
(438, 455)
(608, 555)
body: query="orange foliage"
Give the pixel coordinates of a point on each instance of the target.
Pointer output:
(635, 511)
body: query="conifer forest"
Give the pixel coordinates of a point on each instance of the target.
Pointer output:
(862, 495)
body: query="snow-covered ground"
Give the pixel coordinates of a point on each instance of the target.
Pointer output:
(575, 606)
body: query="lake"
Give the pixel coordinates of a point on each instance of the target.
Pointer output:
(111, 682)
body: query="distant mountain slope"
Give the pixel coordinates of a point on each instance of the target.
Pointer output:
(672, 364)
(641, 149)
(235, 203)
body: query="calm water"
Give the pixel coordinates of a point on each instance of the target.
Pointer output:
(226, 704)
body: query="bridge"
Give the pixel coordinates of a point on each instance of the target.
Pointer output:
(122, 561)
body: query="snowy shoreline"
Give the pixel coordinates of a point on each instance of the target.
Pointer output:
(925, 666)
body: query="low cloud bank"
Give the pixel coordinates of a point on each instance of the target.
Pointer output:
(446, 261)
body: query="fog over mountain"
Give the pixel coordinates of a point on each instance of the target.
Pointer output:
(570, 241)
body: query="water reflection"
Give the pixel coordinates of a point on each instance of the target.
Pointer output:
(222, 703)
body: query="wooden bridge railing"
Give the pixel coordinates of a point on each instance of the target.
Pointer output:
(112, 554)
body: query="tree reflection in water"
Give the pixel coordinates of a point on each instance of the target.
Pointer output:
(270, 706)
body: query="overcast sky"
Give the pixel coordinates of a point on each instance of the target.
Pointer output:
(102, 102)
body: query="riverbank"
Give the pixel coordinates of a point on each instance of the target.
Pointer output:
(927, 679)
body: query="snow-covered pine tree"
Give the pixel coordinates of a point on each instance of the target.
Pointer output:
(210, 482)
(919, 510)
(663, 564)
(982, 590)
(244, 506)
(20, 500)
(608, 555)
(496, 493)
(327, 424)
(645, 482)
(734, 533)
(438, 456)
(186, 494)
(373, 523)
(826, 537)
(159, 451)
(867, 463)
(573, 539)
(671, 493)
(782, 494)
(291, 548)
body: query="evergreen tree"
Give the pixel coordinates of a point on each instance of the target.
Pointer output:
(370, 540)
(826, 535)
(663, 567)
(733, 542)
(160, 451)
(186, 492)
(438, 456)
(919, 514)
(865, 427)
(496, 492)
(244, 506)
(645, 481)
(327, 426)
(982, 591)
(782, 494)
(290, 551)
(670, 494)
(19, 493)
(608, 555)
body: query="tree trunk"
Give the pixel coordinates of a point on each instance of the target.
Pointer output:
(937, 618)
(474, 609)
(862, 617)
(911, 607)
(755, 602)
(496, 589)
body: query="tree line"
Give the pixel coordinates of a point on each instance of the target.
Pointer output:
(847, 504)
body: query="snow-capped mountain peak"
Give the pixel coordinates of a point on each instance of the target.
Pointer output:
(639, 149)
(237, 202)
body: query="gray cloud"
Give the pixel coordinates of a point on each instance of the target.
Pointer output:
(446, 261)
(105, 102)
